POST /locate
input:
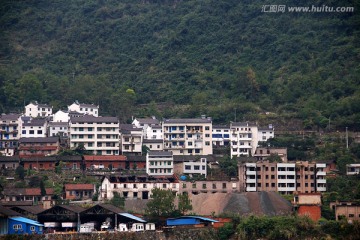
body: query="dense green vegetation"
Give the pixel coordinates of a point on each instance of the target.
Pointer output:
(183, 58)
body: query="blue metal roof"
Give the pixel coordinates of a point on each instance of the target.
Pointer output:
(128, 215)
(27, 220)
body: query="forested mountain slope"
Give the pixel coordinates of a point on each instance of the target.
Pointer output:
(194, 57)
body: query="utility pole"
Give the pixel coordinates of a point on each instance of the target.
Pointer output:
(347, 138)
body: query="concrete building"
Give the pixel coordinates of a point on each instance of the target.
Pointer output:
(78, 191)
(352, 169)
(265, 133)
(209, 187)
(285, 178)
(154, 144)
(36, 127)
(151, 127)
(308, 204)
(87, 109)
(60, 129)
(188, 136)
(131, 139)
(38, 147)
(34, 109)
(348, 210)
(243, 139)
(159, 163)
(98, 134)
(9, 135)
(262, 153)
(220, 135)
(195, 166)
(136, 187)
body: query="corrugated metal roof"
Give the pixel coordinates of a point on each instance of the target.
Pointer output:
(8, 212)
(128, 215)
(27, 220)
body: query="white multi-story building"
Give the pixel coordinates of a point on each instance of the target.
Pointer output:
(88, 109)
(58, 129)
(131, 139)
(154, 132)
(36, 127)
(243, 139)
(151, 127)
(34, 109)
(188, 136)
(61, 116)
(353, 169)
(196, 166)
(136, 187)
(154, 144)
(159, 163)
(9, 136)
(98, 134)
(220, 135)
(265, 133)
(286, 178)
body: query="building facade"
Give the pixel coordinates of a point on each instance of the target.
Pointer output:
(9, 135)
(285, 178)
(87, 109)
(159, 163)
(34, 109)
(131, 139)
(38, 147)
(243, 139)
(97, 134)
(36, 127)
(221, 135)
(188, 136)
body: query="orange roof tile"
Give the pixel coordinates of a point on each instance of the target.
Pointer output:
(79, 186)
(105, 158)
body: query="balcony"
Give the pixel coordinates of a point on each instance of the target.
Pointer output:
(321, 189)
(323, 181)
(251, 180)
(321, 174)
(251, 189)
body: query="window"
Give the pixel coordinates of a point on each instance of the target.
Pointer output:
(207, 128)
(207, 135)
(224, 185)
(23, 131)
(164, 185)
(187, 167)
(207, 143)
(196, 167)
(90, 144)
(31, 132)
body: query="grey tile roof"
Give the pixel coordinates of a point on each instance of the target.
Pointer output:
(160, 153)
(221, 127)
(148, 121)
(10, 117)
(61, 124)
(187, 120)
(90, 118)
(35, 122)
(39, 140)
(243, 124)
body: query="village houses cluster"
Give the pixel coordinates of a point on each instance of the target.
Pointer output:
(168, 150)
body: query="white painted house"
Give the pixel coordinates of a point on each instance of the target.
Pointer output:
(88, 109)
(35, 128)
(131, 139)
(58, 129)
(151, 127)
(159, 163)
(9, 135)
(34, 109)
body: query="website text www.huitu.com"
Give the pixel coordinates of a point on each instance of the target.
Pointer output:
(311, 9)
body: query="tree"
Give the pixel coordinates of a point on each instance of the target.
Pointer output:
(42, 188)
(184, 203)
(161, 204)
(20, 172)
(117, 200)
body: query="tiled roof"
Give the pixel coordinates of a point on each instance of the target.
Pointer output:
(221, 127)
(129, 127)
(39, 140)
(104, 158)
(88, 105)
(31, 209)
(148, 121)
(27, 191)
(90, 118)
(11, 116)
(160, 153)
(79, 186)
(35, 122)
(187, 120)
(9, 159)
(62, 124)
(243, 124)
(8, 212)
(153, 141)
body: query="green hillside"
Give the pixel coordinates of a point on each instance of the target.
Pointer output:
(178, 58)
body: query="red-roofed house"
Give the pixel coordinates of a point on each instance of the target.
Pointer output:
(105, 161)
(79, 191)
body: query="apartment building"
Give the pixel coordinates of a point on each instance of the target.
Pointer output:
(154, 144)
(34, 109)
(98, 134)
(220, 135)
(58, 129)
(9, 136)
(136, 187)
(87, 109)
(131, 140)
(285, 178)
(159, 163)
(243, 139)
(352, 169)
(188, 136)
